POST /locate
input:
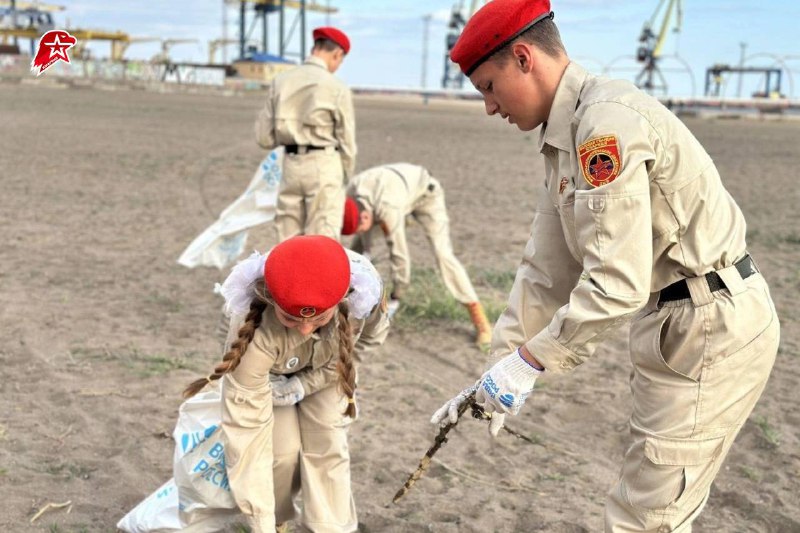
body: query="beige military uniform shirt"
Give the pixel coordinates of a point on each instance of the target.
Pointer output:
(247, 396)
(309, 106)
(631, 203)
(391, 192)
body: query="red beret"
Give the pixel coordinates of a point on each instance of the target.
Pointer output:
(307, 275)
(350, 222)
(495, 24)
(337, 36)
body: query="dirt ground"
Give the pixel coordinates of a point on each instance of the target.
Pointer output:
(101, 329)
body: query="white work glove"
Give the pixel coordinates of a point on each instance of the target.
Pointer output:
(392, 308)
(286, 391)
(448, 413)
(504, 388)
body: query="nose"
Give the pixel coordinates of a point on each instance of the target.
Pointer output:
(491, 106)
(305, 329)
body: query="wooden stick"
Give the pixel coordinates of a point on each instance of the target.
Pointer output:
(48, 507)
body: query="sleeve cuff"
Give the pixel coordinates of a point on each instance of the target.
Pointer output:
(553, 355)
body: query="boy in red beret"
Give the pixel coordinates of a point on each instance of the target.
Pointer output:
(627, 231)
(387, 195)
(307, 311)
(310, 113)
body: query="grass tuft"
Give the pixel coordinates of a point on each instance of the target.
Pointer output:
(770, 435)
(428, 300)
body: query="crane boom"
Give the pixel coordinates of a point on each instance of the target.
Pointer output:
(651, 46)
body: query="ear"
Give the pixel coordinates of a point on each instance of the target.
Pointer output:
(523, 56)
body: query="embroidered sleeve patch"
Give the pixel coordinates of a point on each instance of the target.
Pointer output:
(600, 160)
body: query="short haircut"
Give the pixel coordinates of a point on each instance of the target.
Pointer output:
(326, 45)
(543, 35)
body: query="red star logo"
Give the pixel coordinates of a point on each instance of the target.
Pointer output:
(601, 167)
(58, 49)
(53, 47)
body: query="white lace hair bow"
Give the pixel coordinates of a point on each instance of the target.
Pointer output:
(239, 287)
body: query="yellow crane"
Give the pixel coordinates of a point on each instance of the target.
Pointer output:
(166, 45)
(651, 45)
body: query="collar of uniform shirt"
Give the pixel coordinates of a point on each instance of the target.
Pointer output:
(557, 131)
(314, 60)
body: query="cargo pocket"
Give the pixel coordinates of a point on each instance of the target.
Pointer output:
(673, 472)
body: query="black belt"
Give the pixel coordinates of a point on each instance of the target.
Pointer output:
(301, 149)
(680, 289)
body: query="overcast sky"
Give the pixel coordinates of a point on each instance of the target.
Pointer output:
(387, 36)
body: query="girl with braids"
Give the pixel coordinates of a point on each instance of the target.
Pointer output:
(307, 310)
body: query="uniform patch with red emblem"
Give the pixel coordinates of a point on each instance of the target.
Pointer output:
(600, 160)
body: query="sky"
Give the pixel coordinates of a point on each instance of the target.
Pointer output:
(388, 37)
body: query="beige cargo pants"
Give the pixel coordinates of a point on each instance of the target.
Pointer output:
(699, 367)
(311, 457)
(311, 195)
(431, 213)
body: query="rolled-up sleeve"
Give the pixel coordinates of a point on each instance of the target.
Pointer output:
(374, 331)
(613, 229)
(542, 284)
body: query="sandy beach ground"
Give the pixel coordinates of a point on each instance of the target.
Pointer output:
(100, 328)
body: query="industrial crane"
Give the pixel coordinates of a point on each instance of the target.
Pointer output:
(25, 16)
(166, 45)
(453, 78)
(651, 45)
(262, 9)
(214, 45)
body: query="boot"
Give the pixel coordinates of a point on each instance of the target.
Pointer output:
(483, 330)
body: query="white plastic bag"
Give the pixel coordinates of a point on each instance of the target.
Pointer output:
(198, 418)
(156, 513)
(197, 499)
(202, 480)
(223, 241)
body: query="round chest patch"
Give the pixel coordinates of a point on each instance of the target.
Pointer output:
(291, 363)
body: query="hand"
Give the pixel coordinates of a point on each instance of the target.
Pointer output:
(286, 391)
(392, 307)
(448, 413)
(505, 386)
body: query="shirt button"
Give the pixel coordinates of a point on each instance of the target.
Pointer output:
(238, 398)
(664, 529)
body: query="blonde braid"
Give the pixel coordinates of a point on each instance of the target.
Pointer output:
(345, 366)
(231, 359)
